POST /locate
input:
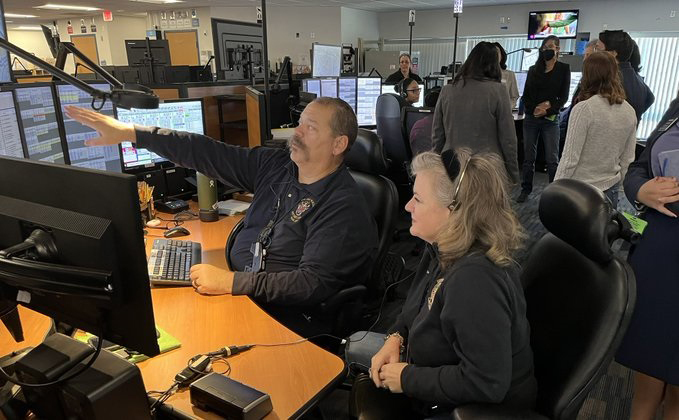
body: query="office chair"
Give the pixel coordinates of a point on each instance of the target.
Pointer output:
(367, 165)
(579, 296)
(396, 145)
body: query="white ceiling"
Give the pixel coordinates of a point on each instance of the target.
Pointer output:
(127, 7)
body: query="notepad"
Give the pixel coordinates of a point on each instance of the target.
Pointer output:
(166, 342)
(232, 207)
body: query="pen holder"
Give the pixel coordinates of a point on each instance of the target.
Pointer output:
(148, 212)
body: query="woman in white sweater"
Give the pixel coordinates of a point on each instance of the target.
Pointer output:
(601, 129)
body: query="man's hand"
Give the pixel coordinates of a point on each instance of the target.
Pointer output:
(390, 375)
(210, 280)
(389, 353)
(110, 130)
(657, 192)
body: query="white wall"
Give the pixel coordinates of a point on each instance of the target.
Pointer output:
(122, 28)
(358, 24)
(630, 15)
(33, 42)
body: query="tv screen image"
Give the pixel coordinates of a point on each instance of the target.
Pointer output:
(563, 24)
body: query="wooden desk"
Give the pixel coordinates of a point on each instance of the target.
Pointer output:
(295, 376)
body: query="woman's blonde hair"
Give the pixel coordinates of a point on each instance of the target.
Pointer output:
(484, 218)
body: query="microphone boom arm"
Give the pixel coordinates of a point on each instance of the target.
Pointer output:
(140, 97)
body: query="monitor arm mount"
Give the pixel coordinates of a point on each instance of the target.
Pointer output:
(122, 95)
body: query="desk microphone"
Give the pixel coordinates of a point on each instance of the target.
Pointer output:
(212, 57)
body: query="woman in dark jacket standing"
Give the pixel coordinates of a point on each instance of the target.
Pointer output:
(404, 71)
(546, 91)
(651, 345)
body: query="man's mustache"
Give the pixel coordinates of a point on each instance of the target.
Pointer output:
(297, 142)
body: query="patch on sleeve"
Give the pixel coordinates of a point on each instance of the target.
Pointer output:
(303, 206)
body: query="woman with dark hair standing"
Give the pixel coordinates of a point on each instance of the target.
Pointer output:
(546, 91)
(404, 71)
(508, 76)
(474, 111)
(601, 129)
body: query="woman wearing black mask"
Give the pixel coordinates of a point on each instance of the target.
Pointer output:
(546, 91)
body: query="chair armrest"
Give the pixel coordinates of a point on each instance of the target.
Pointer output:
(337, 301)
(494, 411)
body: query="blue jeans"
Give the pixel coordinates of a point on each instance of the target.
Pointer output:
(612, 194)
(361, 348)
(533, 129)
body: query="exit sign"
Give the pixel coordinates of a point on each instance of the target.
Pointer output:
(108, 16)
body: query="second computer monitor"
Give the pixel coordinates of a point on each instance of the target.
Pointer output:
(329, 88)
(10, 133)
(347, 91)
(40, 122)
(312, 86)
(104, 158)
(178, 114)
(368, 89)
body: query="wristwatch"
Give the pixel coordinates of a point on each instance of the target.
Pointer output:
(401, 341)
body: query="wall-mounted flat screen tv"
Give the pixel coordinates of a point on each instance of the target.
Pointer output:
(562, 23)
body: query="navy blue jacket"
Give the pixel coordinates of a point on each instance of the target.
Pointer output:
(324, 238)
(638, 94)
(466, 334)
(640, 171)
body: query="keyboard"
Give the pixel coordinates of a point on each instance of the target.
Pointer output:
(171, 260)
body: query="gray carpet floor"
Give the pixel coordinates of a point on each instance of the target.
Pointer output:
(609, 400)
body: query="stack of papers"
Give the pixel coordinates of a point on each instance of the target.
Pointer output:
(232, 207)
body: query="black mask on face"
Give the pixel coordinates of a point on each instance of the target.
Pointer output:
(548, 54)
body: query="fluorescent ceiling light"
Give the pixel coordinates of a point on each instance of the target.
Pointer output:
(66, 7)
(158, 1)
(16, 15)
(27, 28)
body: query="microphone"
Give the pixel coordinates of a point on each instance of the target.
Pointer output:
(230, 351)
(133, 96)
(208, 62)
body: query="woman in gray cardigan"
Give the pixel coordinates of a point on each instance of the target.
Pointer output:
(601, 129)
(474, 111)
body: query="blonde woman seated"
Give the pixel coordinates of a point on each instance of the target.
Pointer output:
(462, 336)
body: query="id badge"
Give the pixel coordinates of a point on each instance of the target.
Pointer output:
(258, 258)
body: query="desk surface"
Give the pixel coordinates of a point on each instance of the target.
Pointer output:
(295, 375)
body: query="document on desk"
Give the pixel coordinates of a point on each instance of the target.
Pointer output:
(232, 207)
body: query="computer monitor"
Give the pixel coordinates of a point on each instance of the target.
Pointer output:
(368, 89)
(347, 91)
(312, 86)
(105, 158)
(5, 68)
(85, 262)
(10, 133)
(529, 59)
(138, 53)
(392, 89)
(575, 81)
(329, 88)
(41, 125)
(177, 114)
(326, 60)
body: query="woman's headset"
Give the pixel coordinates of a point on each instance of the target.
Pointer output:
(402, 86)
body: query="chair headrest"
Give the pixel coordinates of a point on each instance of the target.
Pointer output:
(389, 105)
(367, 154)
(580, 215)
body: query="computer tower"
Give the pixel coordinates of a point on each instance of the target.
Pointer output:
(155, 179)
(177, 74)
(175, 179)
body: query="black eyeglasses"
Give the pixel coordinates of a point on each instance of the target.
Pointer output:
(414, 90)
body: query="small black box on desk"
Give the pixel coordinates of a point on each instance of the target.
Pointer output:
(229, 398)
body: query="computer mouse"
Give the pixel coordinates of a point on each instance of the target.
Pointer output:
(176, 231)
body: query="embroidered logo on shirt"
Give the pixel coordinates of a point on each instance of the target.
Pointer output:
(302, 207)
(430, 299)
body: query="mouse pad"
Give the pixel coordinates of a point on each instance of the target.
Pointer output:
(166, 342)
